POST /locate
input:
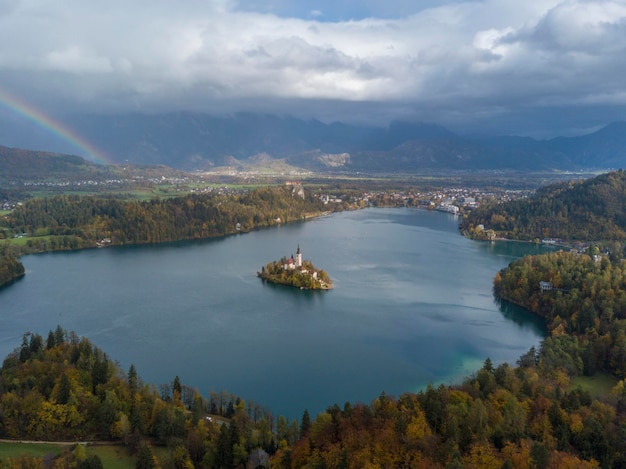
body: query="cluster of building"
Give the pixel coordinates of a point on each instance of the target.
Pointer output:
(451, 200)
(327, 198)
(296, 264)
(212, 190)
(108, 182)
(8, 206)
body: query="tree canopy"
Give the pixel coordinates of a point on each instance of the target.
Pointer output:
(593, 209)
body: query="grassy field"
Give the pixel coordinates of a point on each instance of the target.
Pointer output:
(17, 241)
(112, 456)
(13, 450)
(24, 240)
(598, 385)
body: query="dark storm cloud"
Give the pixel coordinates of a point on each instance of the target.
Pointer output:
(455, 63)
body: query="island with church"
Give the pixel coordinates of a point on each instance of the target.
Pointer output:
(295, 272)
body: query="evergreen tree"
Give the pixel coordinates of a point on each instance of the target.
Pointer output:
(177, 389)
(91, 462)
(224, 450)
(65, 390)
(59, 336)
(132, 380)
(145, 458)
(50, 342)
(305, 424)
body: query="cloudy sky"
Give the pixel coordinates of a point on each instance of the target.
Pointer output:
(529, 67)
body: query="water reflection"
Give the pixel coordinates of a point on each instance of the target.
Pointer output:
(522, 317)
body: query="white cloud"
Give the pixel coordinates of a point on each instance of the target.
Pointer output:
(456, 58)
(74, 59)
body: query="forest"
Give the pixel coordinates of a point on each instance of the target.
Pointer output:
(72, 222)
(64, 388)
(584, 297)
(66, 222)
(592, 209)
(10, 269)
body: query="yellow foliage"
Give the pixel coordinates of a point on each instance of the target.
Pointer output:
(561, 378)
(418, 428)
(320, 425)
(575, 423)
(559, 330)
(55, 420)
(618, 389)
(560, 460)
(482, 456)
(517, 455)
(604, 413)
(459, 397)
(121, 428)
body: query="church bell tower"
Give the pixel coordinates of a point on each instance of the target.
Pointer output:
(298, 257)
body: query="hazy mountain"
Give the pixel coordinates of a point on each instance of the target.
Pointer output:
(187, 140)
(607, 145)
(195, 141)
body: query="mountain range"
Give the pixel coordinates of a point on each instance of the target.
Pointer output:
(197, 141)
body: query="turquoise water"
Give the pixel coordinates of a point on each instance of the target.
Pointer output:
(412, 305)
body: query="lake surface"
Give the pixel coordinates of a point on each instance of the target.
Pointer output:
(412, 305)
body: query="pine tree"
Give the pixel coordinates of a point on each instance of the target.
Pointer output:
(145, 458)
(305, 424)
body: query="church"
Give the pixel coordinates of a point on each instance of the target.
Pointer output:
(296, 264)
(295, 272)
(293, 264)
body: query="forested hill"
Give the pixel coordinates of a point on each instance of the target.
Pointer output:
(592, 209)
(63, 388)
(73, 222)
(17, 165)
(581, 296)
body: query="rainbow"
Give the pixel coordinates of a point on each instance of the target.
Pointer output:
(24, 109)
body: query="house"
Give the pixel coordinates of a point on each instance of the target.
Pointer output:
(545, 286)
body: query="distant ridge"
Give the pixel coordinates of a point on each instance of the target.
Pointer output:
(607, 145)
(19, 164)
(197, 141)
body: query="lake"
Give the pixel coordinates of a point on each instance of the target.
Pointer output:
(412, 305)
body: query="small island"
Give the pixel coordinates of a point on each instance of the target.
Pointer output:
(296, 273)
